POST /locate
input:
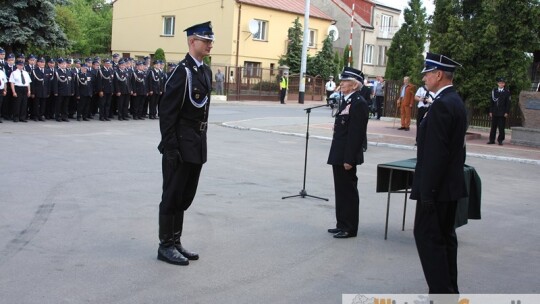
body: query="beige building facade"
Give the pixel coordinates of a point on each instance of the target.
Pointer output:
(248, 33)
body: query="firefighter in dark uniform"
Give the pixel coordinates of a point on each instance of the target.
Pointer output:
(94, 69)
(140, 90)
(41, 89)
(438, 179)
(346, 152)
(63, 89)
(9, 67)
(498, 111)
(122, 89)
(155, 82)
(105, 89)
(29, 67)
(51, 101)
(183, 120)
(84, 89)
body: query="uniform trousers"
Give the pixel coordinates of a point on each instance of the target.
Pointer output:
(19, 104)
(497, 122)
(282, 94)
(61, 106)
(38, 109)
(154, 104)
(123, 105)
(7, 105)
(83, 107)
(138, 104)
(94, 105)
(347, 198)
(420, 115)
(105, 105)
(437, 245)
(50, 107)
(1, 100)
(179, 188)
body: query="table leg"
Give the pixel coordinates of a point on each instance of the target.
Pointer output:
(405, 202)
(388, 204)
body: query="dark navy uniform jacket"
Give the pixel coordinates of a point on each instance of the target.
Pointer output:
(122, 82)
(441, 150)
(500, 102)
(96, 79)
(106, 80)
(41, 82)
(183, 111)
(349, 132)
(139, 83)
(155, 81)
(84, 84)
(64, 84)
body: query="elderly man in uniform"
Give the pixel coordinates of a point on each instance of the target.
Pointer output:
(346, 152)
(498, 111)
(438, 179)
(183, 118)
(41, 89)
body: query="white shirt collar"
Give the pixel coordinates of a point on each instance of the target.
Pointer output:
(199, 63)
(440, 90)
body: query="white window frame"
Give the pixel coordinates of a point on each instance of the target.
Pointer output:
(166, 20)
(368, 53)
(386, 23)
(312, 43)
(262, 34)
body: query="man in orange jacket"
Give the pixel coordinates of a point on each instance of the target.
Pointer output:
(405, 102)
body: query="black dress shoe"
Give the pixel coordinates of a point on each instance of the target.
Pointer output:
(407, 129)
(106, 119)
(171, 255)
(490, 142)
(334, 230)
(500, 143)
(188, 254)
(343, 235)
(65, 119)
(402, 128)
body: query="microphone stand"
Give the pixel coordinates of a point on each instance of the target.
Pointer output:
(303, 193)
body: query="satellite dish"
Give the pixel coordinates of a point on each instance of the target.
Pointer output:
(333, 30)
(253, 26)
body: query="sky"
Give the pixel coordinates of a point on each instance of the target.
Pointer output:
(402, 4)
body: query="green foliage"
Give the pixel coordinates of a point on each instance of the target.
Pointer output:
(293, 57)
(159, 54)
(29, 23)
(338, 66)
(347, 55)
(269, 86)
(323, 64)
(405, 53)
(490, 39)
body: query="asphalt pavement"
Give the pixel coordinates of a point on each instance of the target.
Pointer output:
(79, 204)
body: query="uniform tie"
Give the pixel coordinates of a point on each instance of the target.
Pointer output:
(22, 78)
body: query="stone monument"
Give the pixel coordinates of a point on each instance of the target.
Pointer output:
(529, 134)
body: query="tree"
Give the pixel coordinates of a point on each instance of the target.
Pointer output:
(293, 57)
(338, 65)
(30, 23)
(323, 64)
(490, 39)
(159, 54)
(405, 52)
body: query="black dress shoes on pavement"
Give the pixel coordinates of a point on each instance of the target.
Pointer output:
(344, 235)
(188, 254)
(171, 255)
(490, 142)
(334, 230)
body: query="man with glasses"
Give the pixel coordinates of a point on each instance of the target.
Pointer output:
(183, 118)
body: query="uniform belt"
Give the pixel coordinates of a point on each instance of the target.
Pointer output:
(195, 124)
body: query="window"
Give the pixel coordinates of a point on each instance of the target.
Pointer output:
(312, 38)
(368, 54)
(252, 69)
(386, 23)
(261, 34)
(382, 55)
(272, 67)
(168, 25)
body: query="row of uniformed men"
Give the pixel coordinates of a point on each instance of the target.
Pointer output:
(59, 90)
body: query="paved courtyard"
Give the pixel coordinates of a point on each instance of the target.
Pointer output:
(79, 204)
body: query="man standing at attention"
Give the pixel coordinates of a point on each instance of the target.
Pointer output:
(438, 179)
(330, 87)
(498, 111)
(183, 119)
(283, 86)
(405, 102)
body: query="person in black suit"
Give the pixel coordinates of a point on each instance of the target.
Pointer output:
(155, 87)
(438, 178)
(105, 88)
(183, 118)
(84, 89)
(41, 89)
(140, 90)
(498, 111)
(122, 89)
(346, 151)
(9, 67)
(51, 71)
(63, 89)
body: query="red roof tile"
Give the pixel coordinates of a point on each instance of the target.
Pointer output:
(292, 6)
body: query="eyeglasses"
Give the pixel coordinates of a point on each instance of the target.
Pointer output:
(205, 41)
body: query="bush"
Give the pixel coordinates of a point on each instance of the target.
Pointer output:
(266, 86)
